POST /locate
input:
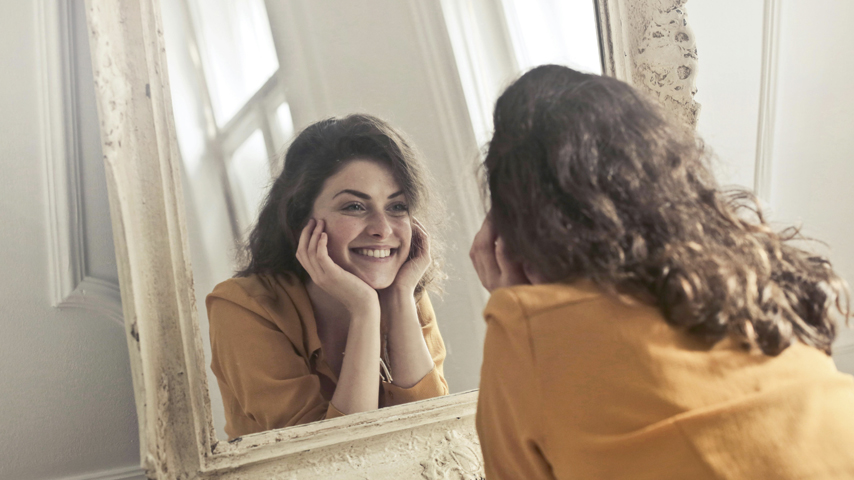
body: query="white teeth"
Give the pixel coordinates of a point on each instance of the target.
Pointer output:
(373, 253)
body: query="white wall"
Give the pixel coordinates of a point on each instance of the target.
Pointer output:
(729, 46)
(813, 165)
(813, 126)
(67, 399)
(66, 391)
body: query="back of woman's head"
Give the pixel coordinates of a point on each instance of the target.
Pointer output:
(317, 153)
(588, 179)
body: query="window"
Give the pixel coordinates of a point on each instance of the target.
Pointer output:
(494, 41)
(231, 115)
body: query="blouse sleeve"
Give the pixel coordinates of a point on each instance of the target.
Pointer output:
(270, 381)
(508, 414)
(433, 384)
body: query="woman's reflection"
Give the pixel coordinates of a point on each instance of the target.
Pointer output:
(330, 315)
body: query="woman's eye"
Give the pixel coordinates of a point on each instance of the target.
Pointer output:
(354, 207)
(399, 208)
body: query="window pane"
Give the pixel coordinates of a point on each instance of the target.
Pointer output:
(187, 103)
(284, 124)
(249, 174)
(554, 31)
(237, 51)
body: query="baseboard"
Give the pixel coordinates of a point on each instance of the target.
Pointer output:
(123, 473)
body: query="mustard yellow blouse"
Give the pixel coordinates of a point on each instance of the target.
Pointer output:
(578, 385)
(269, 362)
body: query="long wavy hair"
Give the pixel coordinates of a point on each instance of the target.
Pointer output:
(590, 180)
(317, 153)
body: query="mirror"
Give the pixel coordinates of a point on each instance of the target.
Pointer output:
(437, 52)
(246, 75)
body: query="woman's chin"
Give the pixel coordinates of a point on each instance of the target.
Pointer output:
(378, 283)
(375, 280)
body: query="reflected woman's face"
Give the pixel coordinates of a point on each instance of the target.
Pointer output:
(367, 221)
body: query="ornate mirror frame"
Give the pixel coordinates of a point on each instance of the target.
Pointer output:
(644, 42)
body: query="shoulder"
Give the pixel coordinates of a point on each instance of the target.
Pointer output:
(257, 291)
(533, 300)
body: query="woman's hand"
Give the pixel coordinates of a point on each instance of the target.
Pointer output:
(356, 295)
(408, 355)
(490, 260)
(416, 265)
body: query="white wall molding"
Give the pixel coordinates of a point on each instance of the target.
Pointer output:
(70, 283)
(123, 473)
(767, 100)
(97, 295)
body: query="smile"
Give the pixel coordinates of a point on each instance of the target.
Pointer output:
(375, 253)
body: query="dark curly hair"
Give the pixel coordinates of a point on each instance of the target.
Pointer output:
(590, 180)
(317, 153)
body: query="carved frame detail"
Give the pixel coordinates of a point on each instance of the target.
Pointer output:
(644, 42)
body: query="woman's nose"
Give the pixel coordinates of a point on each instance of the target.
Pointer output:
(378, 226)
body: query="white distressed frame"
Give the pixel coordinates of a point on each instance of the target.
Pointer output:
(644, 42)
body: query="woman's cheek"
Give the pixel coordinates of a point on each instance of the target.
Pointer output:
(338, 233)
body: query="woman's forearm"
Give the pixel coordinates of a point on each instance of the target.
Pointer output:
(408, 354)
(358, 383)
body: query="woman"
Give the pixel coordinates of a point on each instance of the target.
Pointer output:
(337, 263)
(641, 323)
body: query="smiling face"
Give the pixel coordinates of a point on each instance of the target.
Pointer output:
(367, 221)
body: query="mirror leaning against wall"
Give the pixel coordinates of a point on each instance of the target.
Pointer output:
(435, 80)
(246, 77)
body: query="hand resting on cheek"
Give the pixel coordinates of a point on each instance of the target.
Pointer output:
(491, 261)
(417, 262)
(356, 295)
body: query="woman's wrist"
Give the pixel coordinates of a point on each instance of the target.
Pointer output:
(362, 305)
(365, 313)
(394, 300)
(396, 293)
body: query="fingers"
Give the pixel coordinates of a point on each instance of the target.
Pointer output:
(308, 246)
(324, 261)
(512, 273)
(312, 246)
(482, 255)
(302, 247)
(492, 260)
(420, 245)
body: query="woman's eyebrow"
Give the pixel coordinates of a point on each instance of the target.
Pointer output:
(355, 193)
(365, 196)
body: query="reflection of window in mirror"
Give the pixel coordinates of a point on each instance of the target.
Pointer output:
(230, 111)
(495, 41)
(231, 119)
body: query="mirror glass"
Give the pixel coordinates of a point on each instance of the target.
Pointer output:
(246, 75)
